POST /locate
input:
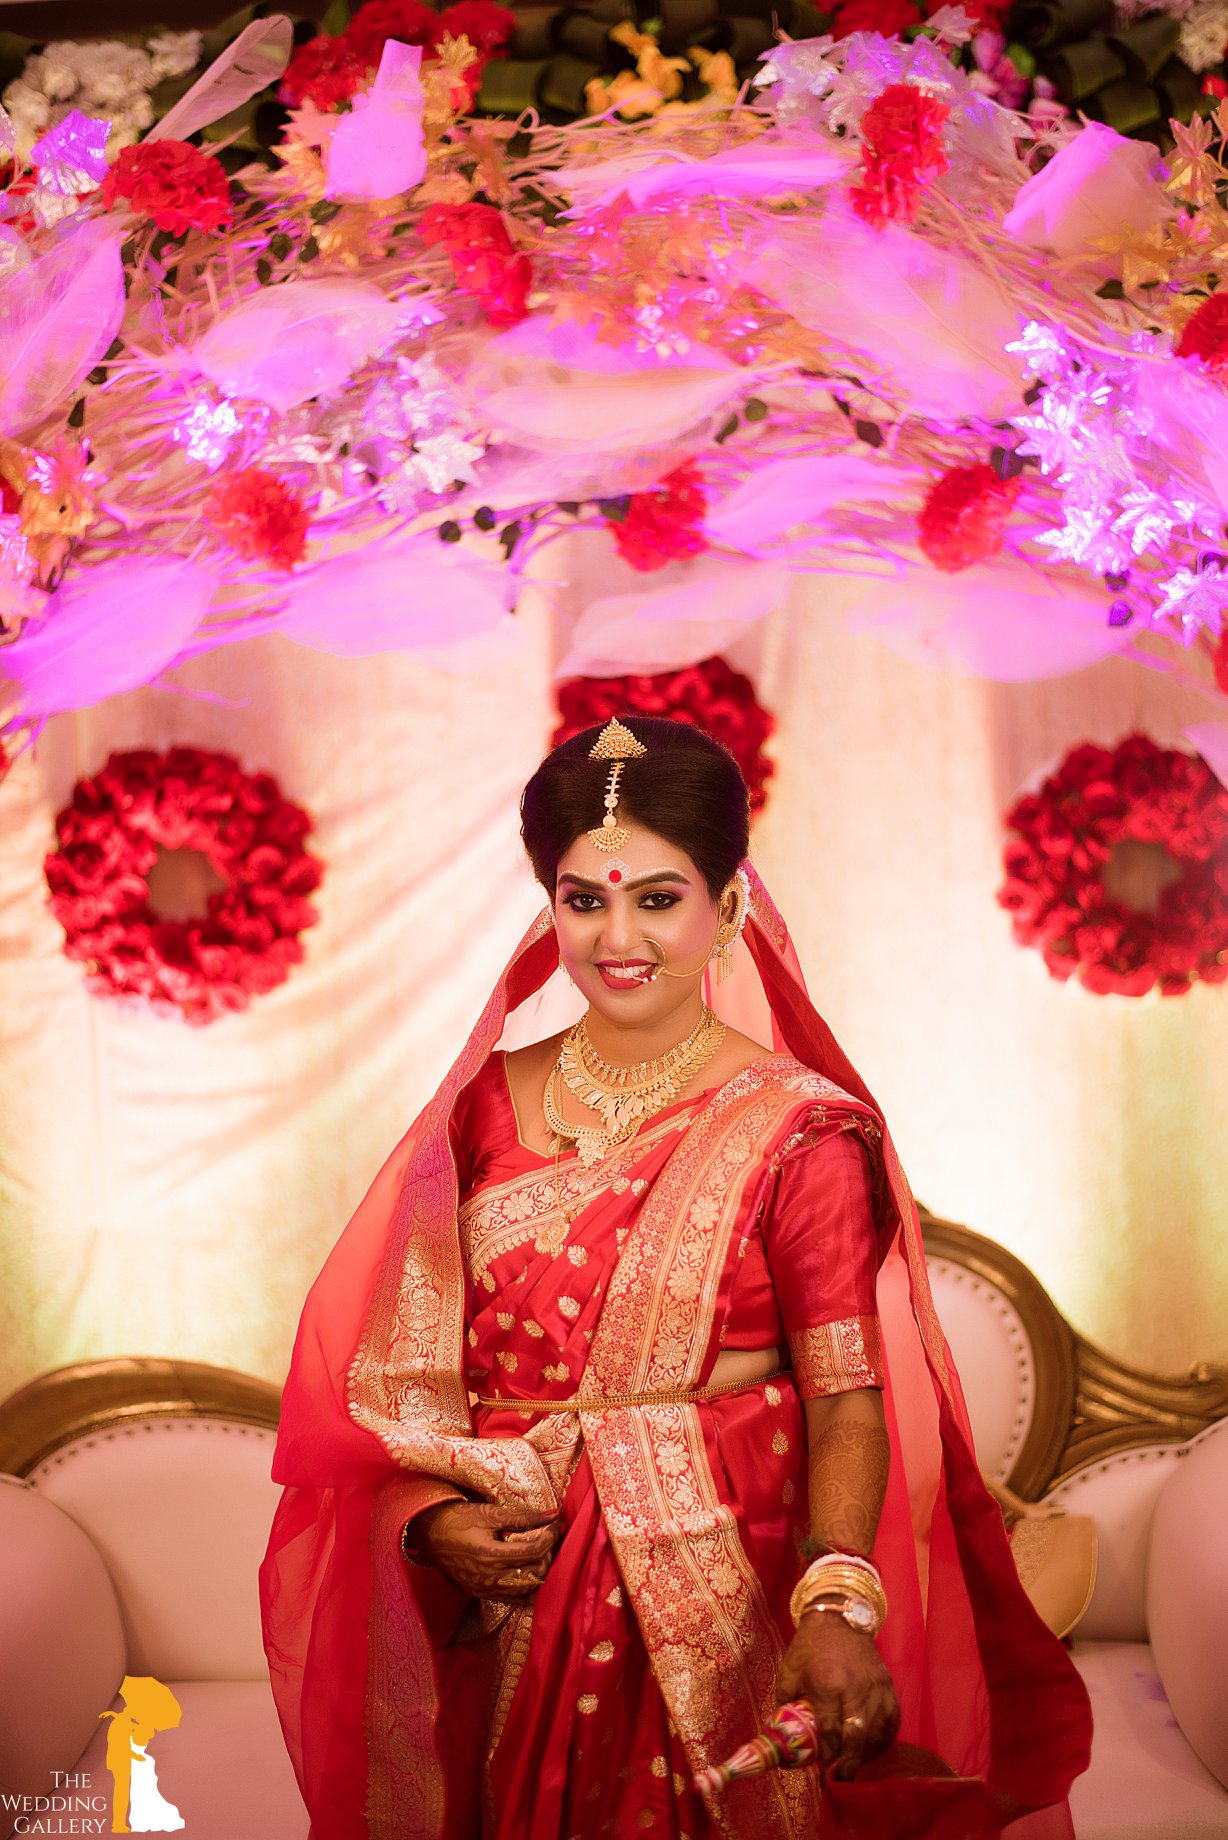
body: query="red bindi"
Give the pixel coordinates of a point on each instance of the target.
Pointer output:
(615, 875)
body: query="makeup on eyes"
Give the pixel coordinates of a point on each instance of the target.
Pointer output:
(577, 895)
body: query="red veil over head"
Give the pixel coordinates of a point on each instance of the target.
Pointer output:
(375, 1413)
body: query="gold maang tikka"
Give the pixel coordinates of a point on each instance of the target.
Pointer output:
(616, 744)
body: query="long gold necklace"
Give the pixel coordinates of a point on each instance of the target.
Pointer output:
(622, 1096)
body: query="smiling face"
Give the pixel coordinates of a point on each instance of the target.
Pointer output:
(616, 916)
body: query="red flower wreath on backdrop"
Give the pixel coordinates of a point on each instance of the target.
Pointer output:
(1099, 799)
(710, 695)
(186, 799)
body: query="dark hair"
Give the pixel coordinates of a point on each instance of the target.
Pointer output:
(687, 788)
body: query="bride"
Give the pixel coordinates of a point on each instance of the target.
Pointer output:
(620, 1414)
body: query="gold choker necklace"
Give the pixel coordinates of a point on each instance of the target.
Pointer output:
(622, 1096)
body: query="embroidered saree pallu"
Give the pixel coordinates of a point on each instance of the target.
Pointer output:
(769, 1210)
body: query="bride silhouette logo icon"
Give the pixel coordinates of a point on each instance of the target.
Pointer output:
(137, 1804)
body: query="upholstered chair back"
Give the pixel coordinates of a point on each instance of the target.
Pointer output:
(993, 1356)
(179, 1509)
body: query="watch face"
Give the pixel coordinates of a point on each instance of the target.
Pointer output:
(860, 1615)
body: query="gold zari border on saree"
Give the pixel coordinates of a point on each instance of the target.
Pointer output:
(837, 1357)
(714, 1645)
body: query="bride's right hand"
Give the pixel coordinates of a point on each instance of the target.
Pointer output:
(477, 1544)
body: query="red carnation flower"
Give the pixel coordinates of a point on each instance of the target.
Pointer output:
(407, 20)
(324, 72)
(964, 516)
(484, 259)
(259, 516)
(664, 523)
(902, 152)
(1206, 336)
(889, 17)
(175, 184)
(986, 15)
(1220, 661)
(487, 26)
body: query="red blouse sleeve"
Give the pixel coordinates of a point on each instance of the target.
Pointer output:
(822, 1252)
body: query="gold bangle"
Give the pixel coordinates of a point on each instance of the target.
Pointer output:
(847, 1577)
(844, 1587)
(407, 1552)
(876, 1604)
(838, 1581)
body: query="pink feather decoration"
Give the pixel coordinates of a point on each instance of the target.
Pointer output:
(378, 149)
(249, 64)
(58, 315)
(107, 629)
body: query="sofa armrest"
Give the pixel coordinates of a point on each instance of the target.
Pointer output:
(1187, 1597)
(62, 1642)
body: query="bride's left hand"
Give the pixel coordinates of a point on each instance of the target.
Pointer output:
(840, 1671)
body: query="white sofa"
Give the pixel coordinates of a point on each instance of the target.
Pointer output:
(1147, 1459)
(135, 1502)
(131, 1548)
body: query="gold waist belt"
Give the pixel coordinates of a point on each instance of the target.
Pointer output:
(577, 1404)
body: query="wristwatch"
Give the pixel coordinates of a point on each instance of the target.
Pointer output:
(857, 1613)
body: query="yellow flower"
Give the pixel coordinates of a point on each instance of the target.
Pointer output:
(354, 237)
(662, 72)
(57, 500)
(717, 70)
(633, 96)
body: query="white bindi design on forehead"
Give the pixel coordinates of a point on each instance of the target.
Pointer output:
(617, 871)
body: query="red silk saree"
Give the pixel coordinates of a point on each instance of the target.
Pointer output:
(770, 1209)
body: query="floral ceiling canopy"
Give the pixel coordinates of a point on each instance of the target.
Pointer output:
(854, 315)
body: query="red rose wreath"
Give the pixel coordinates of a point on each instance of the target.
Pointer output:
(710, 695)
(1067, 833)
(187, 799)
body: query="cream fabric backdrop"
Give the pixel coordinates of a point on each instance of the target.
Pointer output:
(173, 1191)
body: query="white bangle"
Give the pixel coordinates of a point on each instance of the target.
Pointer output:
(838, 1558)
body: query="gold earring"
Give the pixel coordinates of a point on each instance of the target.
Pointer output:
(730, 930)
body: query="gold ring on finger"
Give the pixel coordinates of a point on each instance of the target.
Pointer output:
(855, 1720)
(519, 1576)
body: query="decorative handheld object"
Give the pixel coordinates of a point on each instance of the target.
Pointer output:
(788, 1741)
(615, 743)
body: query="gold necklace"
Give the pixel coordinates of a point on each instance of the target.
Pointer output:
(638, 1076)
(622, 1096)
